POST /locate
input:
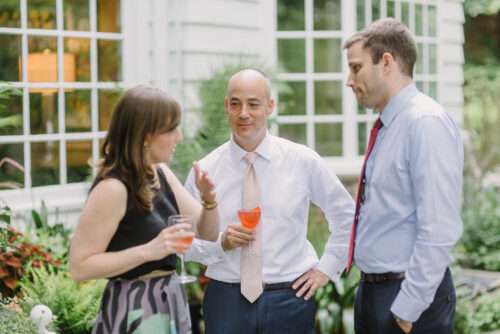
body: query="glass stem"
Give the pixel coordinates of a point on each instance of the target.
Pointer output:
(183, 268)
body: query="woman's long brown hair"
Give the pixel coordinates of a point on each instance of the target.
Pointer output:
(141, 112)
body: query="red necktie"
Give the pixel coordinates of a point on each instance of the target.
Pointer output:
(361, 189)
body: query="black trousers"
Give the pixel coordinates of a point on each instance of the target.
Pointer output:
(372, 314)
(226, 311)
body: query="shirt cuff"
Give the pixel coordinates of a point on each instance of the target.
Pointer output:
(206, 252)
(407, 308)
(330, 266)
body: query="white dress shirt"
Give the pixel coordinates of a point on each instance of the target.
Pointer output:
(290, 176)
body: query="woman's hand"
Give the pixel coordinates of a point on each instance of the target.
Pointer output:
(167, 242)
(205, 185)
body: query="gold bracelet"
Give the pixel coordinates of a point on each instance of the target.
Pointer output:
(209, 205)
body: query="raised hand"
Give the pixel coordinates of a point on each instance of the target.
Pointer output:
(205, 185)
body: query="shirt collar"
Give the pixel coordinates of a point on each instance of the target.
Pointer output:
(397, 103)
(264, 150)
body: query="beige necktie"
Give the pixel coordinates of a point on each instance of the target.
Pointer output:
(251, 262)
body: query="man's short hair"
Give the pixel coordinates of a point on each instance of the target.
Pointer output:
(388, 35)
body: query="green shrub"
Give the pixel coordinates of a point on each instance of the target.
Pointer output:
(479, 246)
(75, 306)
(478, 314)
(13, 322)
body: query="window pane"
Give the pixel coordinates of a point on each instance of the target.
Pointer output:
(405, 13)
(375, 10)
(108, 15)
(10, 65)
(110, 56)
(419, 25)
(107, 101)
(76, 15)
(432, 59)
(42, 59)
(327, 15)
(77, 51)
(77, 110)
(11, 112)
(420, 85)
(391, 8)
(328, 97)
(78, 155)
(10, 15)
(433, 89)
(361, 109)
(419, 68)
(10, 175)
(43, 111)
(328, 139)
(292, 55)
(360, 14)
(327, 55)
(45, 163)
(293, 132)
(291, 15)
(42, 14)
(362, 138)
(292, 100)
(432, 20)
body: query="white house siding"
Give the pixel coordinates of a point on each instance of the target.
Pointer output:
(214, 33)
(451, 56)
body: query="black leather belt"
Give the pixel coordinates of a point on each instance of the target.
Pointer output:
(381, 278)
(267, 286)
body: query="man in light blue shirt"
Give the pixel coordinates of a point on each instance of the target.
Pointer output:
(408, 216)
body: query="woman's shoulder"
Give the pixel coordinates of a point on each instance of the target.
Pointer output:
(109, 188)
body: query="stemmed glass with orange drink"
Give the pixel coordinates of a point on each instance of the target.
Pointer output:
(250, 219)
(184, 237)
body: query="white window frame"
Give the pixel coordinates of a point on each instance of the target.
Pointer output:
(350, 162)
(19, 197)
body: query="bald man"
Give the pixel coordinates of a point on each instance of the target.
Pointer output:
(270, 292)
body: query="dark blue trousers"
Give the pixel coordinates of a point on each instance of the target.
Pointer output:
(372, 314)
(226, 311)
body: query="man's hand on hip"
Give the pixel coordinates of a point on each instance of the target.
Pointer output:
(309, 282)
(236, 236)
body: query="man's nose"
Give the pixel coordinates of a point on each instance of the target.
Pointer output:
(350, 81)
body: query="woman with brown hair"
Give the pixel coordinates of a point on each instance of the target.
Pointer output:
(123, 233)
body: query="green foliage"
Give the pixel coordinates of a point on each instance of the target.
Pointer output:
(55, 237)
(479, 246)
(14, 322)
(477, 314)
(478, 7)
(9, 121)
(482, 120)
(75, 306)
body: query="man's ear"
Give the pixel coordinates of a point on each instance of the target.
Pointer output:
(226, 104)
(388, 62)
(271, 104)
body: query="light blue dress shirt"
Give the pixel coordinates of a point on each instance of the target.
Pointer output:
(410, 219)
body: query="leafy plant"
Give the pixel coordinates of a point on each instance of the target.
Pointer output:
(17, 255)
(477, 313)
(15, 322)
(75, 306)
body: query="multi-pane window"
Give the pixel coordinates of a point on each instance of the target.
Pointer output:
(309, 45)
(315, 108)
(60, 66)
(421, 18)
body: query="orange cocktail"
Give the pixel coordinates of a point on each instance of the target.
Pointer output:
(185, 241)
(250, 219)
